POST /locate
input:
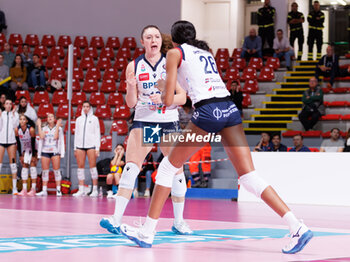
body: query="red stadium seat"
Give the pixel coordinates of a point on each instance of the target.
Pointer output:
(97, 98)
(78, 98)
(107, 52)
(314, 149)
(78, 73)
(338, 104)
(247, 101)
(59, 97)
(340, 90)
(124, 52)
(87, 62)
(72, 127)
(115, 99)
(93, 73)
(311, 133)
(41, 97)
(326, 90)
(41, 51)
(122, 75)
(103, 112)
(138, 51)
(273, 62)
(75, 85)
(250, 86)
(346, 117)
(91, 52)
(15, 40)
(106, 143)
(104, 63)
(2, 40)
(121, 112)
(291, 133)
(21, 93)
(45, 109)
(97, 42)
(249, 73)
(347, 55)
(266, 74)
(223, 64)
(331, 117)
(222, 53)
(239, 63)
(236, 53)
(81, 42)
(111, 73)
(65, 62)
(232, 74)
(120, 126)
(32, 40)
(256, 62)
(62, 111)
(57, 51)
(48, 40)
(102, 127)
(20, 50)
(79, 110)
(129, 42)
(58, 73)
(108, 86)
(76, 52)
(90, 85)
(64, 41)
(113, 42)
(122, 86)
(120, 63)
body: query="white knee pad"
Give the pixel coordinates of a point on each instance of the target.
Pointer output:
(33, 172)
(253, 183)
(179, 188)
(58, 176)
(81, 173)
(13, 167)
(0, 166)
(93, 172)
(24, 173)
(129, 175)
(45, 175)
(166, 173)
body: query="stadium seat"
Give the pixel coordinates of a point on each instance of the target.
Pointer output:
(125, 143)
(15, 40)
(57, 51)
(247, 101)
(347, 56)
(78, 73)
(106, 143)
(326, 90)
(122, 86)
(97, 42)
(44, 109)
(337, 104)
(64, 41)
(273, 62)
(239, 63)
(340, 90)
(249, 73)
(121, 112)
(138, 51)
(72, 127)
(120, 63)
(107, 52)
(266, 74)
(41, 51)
(20, 93)
(122, 75)
(255, 62)
(120, 126)
(113, 42)
(59, 97)
(93, 73)
(236, 53)
(2, 40)
(81, 42)
(346, 117)
(97, 98)
(78, 98)
(65, 62)
(115, 99)
(129, 43)
(79, 110)
(108, 86)
(111, 73)
(232, 74)
(103, 112)
(291, 133)
(91, 52)
(222, 53)
(48, 40)
(19, 50)
(75, 85)
(62, 111)
(90, 85)
(76, 52)
(222, 63)
(41, 97)
(314, 149)
(103, 63)
(32, 40)
(250, 86)
(124, 52)
(102, 127)
(311, 133)
(331, 117)
(87, 62)
(58, 73)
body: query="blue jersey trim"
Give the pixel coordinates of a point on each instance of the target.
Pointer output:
(156, 65)
(137, 60)
(182, 52)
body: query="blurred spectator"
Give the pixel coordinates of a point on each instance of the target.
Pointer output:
(9, 56)
(264, 143)
(18, 73)
(116, 169)
(276, 144)
(147, 170)
(38, 74)
(328, 66)
(2, 102)
(27, 57)
(185, 113)
(25, 108)
(200, 156)
(316, 20)
(236, 94)
(283, 49)
(4, 72)
(3, 24)
(295, 20)
(252, 45)
(313, 107)
(266, 23)
(298, 144)
(333, 144)
(347, 142)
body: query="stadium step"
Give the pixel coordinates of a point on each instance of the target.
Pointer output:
(301, 73)
(273, 111)
(274, 117)
(294, 84)
(284, 98)
(304, 67)
(289, 91)
(307, 62)
(267, 124)
(298, 79)
(256, 131)
(269, 104)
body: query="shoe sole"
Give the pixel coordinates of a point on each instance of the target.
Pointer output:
(137, 241)
(110, 228)
(176, 231)
(302, 242)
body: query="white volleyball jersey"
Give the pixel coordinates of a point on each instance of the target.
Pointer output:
(50, 145)
(25, 138)
(198, 74)
(147, 77)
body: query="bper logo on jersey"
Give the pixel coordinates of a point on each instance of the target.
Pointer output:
(151, 134)
(144, 77)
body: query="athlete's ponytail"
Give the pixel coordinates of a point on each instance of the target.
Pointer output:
(184, 32)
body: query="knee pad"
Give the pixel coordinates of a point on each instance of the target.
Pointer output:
(81, 173)
(45, 175)
(129, 175)
(253, 183)
(58, 176)
(179, 185)
(0, 166)
(166, 173)
(13, 167)
(33, 172)
(24, 173)
(93, 172)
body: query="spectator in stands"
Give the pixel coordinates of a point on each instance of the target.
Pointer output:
(251, 46)
(37, 75)
(8, 55)
(264, 144)
(295, 20)
(18, 73)
(277, 146)
(185, 113)
(236, 94)
(347, 142)
(298, 144)
(116, 168)
(313, 105)
(146, 170)
(328, 66)
(200, 157)
(4, 72)
(2, 102)
(25, 108)
(266, 22)
(282, 48)
(27, 57)
(3, 24)
(333, 144)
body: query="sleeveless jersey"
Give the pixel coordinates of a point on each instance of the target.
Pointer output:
(50, 145)
(147, 77)
(25, 138)
(198, 74)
